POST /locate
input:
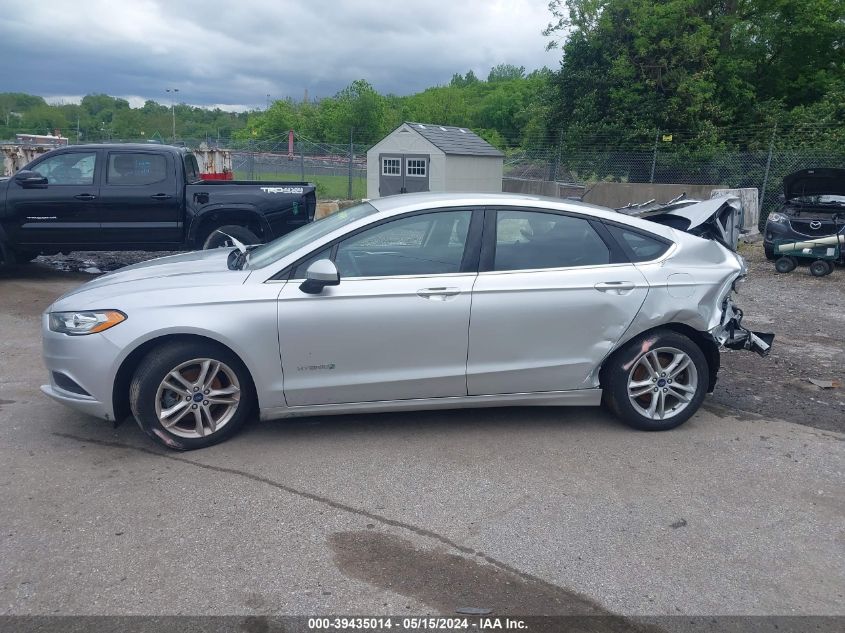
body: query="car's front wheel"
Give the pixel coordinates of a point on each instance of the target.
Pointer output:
(188, 395)
(657, 381)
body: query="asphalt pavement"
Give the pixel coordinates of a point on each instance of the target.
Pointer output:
(522, 511)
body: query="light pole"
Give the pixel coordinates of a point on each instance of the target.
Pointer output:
(173, 92)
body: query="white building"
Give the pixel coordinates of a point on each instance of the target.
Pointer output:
(425, 157)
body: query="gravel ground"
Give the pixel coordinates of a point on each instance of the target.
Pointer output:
(806, 313)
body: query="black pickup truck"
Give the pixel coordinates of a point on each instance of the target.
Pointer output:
(138, 197)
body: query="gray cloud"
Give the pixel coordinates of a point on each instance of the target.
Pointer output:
(237, 52)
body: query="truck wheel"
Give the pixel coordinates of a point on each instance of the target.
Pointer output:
(23, 257)
(820, 268)
(216, 238)
(785, 264)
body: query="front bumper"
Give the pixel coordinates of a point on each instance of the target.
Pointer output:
(87, 363)
(84, 404)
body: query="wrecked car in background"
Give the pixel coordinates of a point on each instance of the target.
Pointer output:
(421, 301)
(812, 210)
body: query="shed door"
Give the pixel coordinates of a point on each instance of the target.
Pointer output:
(403, 173)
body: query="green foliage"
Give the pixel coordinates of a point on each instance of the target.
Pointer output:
(102, 117)
(700, 69)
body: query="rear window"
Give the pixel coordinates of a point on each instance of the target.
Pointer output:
(640, 247)
(192, 169)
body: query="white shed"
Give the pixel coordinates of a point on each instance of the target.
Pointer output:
(424, 157)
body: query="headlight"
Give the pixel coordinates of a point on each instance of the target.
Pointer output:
(778, 218)
(77, 323)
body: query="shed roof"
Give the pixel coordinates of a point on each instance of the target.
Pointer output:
(454, 140)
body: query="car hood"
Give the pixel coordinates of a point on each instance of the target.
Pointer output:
(814, 182)
(185, 270)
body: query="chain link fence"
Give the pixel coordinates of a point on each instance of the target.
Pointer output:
(665, 163)
(340, 170)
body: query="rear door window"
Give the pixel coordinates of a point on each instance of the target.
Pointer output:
(136, 169)
(527, 240)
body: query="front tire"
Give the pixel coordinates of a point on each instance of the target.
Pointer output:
(657, 381)
(216, 238)
(190, 395)
(785, 264)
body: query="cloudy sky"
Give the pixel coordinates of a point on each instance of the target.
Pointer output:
(233, 53)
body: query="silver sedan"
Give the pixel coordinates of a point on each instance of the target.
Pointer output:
(411, 302)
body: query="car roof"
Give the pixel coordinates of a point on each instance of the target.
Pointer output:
(403, 203)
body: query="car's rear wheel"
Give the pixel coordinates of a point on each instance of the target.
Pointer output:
(657, 381)
(222, 236)
(189, 395)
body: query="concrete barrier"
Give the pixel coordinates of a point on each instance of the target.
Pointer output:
(750, 199)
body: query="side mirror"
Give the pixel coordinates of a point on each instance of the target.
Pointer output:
(320, 274)
(26, 178)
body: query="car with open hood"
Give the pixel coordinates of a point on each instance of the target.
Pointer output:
(421, 301)
(812, 207)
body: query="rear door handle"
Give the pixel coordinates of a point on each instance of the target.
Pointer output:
(615, 287)
(161, 196)
(438, 294)
(85, 196)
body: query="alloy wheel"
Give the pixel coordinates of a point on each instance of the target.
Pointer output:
(197, 398)
(662, 383)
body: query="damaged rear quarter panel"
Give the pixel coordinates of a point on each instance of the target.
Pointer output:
(686, 286)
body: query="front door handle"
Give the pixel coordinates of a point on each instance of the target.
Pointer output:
(438, 294)
(161, 196)
(615, 287)
(85, 196)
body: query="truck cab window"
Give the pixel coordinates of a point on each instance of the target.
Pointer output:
(68, 169)
(136, 169)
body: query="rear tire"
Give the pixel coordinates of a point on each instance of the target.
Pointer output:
(769, 251)
(191, 394)
(657, 381)
(24, 257)
(820, 268)
(216, 238)
(785, 264)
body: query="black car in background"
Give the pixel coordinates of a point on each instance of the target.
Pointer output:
(812, 206)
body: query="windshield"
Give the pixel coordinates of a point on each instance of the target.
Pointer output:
(266, 254)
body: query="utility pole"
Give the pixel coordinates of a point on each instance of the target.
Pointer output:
(351, 151)
(654, 157)
(268, 103)
(768, 166)
(173, 92)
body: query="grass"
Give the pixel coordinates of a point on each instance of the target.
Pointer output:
(328, 187)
